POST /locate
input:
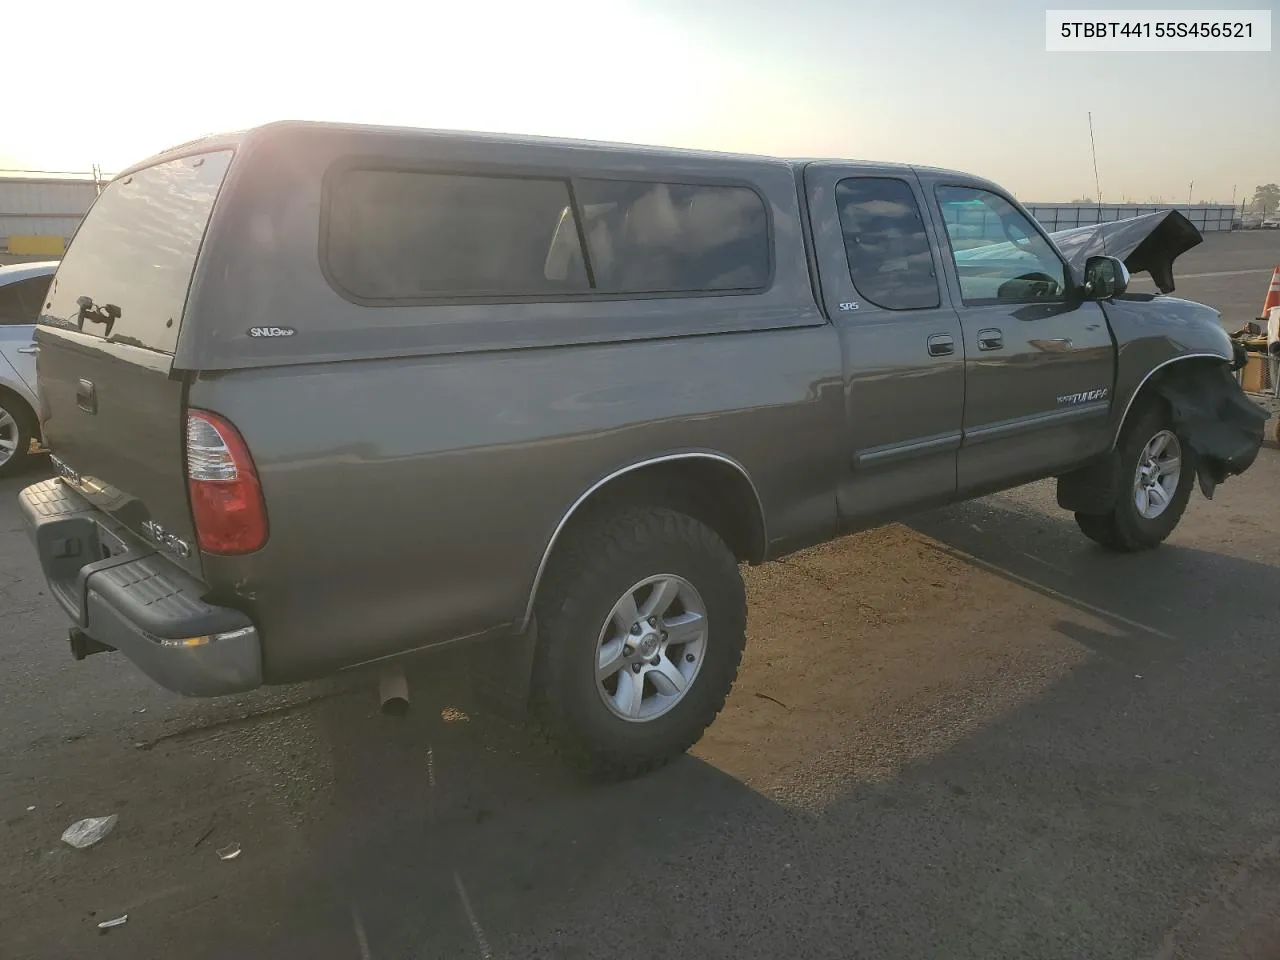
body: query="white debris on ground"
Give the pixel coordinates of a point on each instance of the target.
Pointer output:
(87, 832)
(229, 852)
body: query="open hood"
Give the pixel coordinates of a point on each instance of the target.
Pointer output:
(1148, 243)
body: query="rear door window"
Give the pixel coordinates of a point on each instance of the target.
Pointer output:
(22, 300)
(885, 242)
(404, 235)
(673, 237)
(126, 274)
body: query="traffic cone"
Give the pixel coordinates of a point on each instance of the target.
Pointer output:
(1273, 296)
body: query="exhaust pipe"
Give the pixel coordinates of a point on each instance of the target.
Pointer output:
(393, 691)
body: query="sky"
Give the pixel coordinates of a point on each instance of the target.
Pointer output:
(964, 84)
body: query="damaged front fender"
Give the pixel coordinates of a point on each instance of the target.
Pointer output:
(1222, 426)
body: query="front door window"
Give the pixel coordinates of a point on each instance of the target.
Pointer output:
(1000, 256)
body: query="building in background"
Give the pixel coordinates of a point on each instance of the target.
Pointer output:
(38, 214)
(1208, 218)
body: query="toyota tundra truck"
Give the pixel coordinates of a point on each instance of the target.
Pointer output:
(321, 396)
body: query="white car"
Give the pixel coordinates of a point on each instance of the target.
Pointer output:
(1271, 223)
(22, 293)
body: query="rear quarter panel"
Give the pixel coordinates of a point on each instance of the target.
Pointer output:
(410, 500)
(413, 486)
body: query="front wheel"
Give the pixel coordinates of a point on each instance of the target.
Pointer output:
(641, 628)
(1157, 472)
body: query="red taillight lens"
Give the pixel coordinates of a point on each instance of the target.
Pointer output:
(226, 498)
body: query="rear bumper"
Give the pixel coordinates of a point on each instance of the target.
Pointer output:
(132, 598)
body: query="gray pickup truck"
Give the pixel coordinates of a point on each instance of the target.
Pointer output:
(322, 396)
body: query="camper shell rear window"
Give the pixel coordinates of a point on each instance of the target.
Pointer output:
(126, 274)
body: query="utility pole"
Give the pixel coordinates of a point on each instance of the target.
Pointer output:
(1097, 181)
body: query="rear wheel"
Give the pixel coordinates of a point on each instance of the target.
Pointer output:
(1156, 476)
(641, 627)
(15, 435)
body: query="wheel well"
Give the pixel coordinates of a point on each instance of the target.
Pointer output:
(17, 404)
(711, 490)
(1176, 369)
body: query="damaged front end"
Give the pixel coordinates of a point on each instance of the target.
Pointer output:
(1220, 427)
(1168, 347)
(1223, 427)
(1148, 243)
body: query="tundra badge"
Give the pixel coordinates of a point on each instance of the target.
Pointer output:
(1088, 396)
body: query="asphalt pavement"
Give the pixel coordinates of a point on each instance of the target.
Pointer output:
(1229, 271)
(973, 735)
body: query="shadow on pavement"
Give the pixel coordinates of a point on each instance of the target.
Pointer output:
(1172, 600)
(441, 837)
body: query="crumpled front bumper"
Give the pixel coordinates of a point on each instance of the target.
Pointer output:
(129, 597)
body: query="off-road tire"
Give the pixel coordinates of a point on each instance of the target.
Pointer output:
(26, 426)
(587, 577)
(1123, 529)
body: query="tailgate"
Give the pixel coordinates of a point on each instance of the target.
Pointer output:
(113, 409)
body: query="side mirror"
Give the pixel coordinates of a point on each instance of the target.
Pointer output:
(1104, 278)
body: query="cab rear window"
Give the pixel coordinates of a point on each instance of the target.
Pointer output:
(126, 273)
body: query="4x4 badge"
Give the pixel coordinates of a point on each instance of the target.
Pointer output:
(166, 540)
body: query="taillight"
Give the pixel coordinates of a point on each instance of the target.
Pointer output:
(226, 498)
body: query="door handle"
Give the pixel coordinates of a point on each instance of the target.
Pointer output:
(990, 339)
(1054, 344)
(31, 350)
(941, 345)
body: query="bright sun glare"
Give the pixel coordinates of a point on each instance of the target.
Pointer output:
(504, 66)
